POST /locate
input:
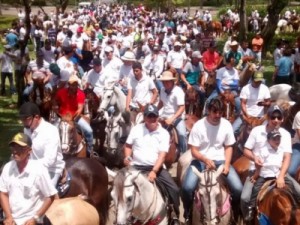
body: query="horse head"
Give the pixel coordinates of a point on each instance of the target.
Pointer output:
(135, 197)
(211, 194)
(66, 134)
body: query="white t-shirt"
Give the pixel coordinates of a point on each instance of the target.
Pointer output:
(27, 190)
(253, 96)
(176, 59)
(65, 64)
(147, 145)
(272, 161)
(257, 140)
(46, 146)
(171, 102)
(112, 68)
(49, 55)
(211, 139)
(296, 126)
(227, 75)
(141, 90)
(6, 63)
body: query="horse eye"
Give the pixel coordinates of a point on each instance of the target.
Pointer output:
(108, 96)
(129, 199)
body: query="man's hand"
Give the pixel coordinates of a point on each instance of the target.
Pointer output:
(127, 161)
(30, 222)
(169, 121)
(152, 176)
(280, 182)
(189, 86)
(258, 162)
(225, 170)
(9, 221)
(210, 164)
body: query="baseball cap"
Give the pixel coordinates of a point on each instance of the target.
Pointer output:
(258, 76)
(21, 139)
(273, 134)
(234, 43)
(151, 109)
(177, 43)
(274, 108)
(97, 62)
(73, 78)
(29, 109)
(196, 54)
(108, 49)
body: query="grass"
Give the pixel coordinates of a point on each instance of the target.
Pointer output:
(9, 124)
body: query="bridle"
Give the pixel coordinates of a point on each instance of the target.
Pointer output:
(111, 97)
(137, 218)
(208, 185)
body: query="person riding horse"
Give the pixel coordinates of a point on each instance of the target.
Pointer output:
(146, 148)
(211, 141)
(69, 104)
(173, 106)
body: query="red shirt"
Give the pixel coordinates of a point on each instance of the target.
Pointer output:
(69, 103)
(210, 60)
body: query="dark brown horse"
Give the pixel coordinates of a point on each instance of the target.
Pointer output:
(278, 206)
(93, 102)
(89, 178)
(192, 103)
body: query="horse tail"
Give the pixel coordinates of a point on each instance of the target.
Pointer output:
(104, 212)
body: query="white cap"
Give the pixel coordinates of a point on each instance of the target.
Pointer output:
(233, 43)
(177, 43)
(108, 49)
(197, 54)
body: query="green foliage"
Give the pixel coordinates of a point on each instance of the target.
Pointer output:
(6, 21)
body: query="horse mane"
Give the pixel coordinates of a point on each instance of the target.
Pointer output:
(222, 181)
(119, 181)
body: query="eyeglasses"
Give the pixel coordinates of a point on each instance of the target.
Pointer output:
(276, 117)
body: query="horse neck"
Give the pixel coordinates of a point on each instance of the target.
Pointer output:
(150, 201)
(121, 99)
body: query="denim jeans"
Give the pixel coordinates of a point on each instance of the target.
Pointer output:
(11, 82)
(87, 132)
(191, 180)
(295, 160)
(237, 125)
(201, 94)
(158, 84)
(215, 94)
(182, 138)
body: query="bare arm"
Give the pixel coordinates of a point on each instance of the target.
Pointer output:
(127, 154)
(79, 110)
(228, 156)
(6, 208)
(284, 167)
(197, 155)
(128, 99)
(154, 95)
(243, 106)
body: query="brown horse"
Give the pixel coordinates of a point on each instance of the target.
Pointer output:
(228, 106)
(93, 102)
(278, 206)
(217, 28)
(89, 178)
(192, 103)
(72, 140)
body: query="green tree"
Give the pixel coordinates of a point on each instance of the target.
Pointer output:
(274, 9)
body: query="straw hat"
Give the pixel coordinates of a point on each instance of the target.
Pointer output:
(167, 75)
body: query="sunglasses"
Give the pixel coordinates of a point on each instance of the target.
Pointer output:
(274, 117)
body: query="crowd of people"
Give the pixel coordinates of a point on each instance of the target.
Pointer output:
(154, 58)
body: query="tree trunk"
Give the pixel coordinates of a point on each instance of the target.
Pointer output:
(0, 8)
(243, 21)
(274, 9)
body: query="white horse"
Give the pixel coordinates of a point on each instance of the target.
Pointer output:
(280, 93)
(136, 198)
(213, 198)
(72, 211)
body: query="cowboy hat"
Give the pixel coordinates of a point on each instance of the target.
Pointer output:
(167, 75)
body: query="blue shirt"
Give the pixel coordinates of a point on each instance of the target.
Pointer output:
(285, 65)
(11, 39)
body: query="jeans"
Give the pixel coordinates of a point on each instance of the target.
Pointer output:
(237, 125)
(201, 94)
(87, 132)
(182, 138)
(11, 82)
(190, 183)
(295, 160)
(215, 94)
(158, 84)
(246, 194)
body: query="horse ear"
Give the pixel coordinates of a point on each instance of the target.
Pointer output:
(220, 170)
(111, 173)
(196, 171)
